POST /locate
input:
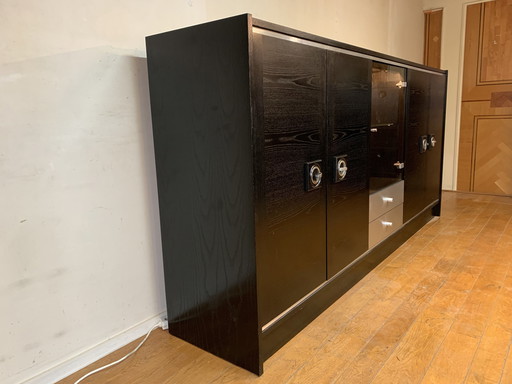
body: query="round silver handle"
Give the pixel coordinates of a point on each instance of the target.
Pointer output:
(315, 175)
(424, 144)
(433, 141)
(341, 168)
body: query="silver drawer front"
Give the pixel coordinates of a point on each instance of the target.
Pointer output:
(385, 225)
(386, 199)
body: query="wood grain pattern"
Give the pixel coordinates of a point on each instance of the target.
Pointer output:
(456, 270)
(348, 99)
(501, 99)
(202, 135)
(471, 115)
(496, 43)
(493, 155)
(291, 221)
(478, 24)
(237, 114)
(487, 79)
(432, 38)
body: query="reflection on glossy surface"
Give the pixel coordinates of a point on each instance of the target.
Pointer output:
(387, 126)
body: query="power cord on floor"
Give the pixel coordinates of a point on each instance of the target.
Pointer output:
(162, 324)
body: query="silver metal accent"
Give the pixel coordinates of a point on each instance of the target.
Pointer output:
(399, 165)
(383, 125)
(315, 175)
(282, 36)
(387, 199)
(387, 223)
(341, 168)
(432, 141)
(401, 84)
(374, 130)
(424, 144)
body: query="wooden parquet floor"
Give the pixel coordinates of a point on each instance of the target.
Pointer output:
(438, 310)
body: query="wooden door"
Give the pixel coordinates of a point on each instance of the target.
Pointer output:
(485, 146)
(432, 43)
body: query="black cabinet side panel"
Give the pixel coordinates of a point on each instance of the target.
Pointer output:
(199, 88)
(290, 221)
(348, 99)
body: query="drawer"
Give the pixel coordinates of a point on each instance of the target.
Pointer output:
(386, 199)
(385, 225)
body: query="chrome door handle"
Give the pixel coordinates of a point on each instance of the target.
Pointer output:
(315, 175)
(423, 144)
(431, 141)
(341, 168)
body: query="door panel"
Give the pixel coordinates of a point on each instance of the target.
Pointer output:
(290, 220)
(496, 43)
(492, 160)
(418, 91)
(433, 34)
(487, 88)
(348, 95)
(435, 129)
(387, 124)
(426, 99)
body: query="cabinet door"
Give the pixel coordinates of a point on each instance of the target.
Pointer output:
(435, 136)
(423, 164)
(290, 133)
(415, 172)
(387, 125)
(348, 98)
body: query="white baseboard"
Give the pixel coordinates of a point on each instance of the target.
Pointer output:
(66, 367)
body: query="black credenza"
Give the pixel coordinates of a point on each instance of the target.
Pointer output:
(264, 160)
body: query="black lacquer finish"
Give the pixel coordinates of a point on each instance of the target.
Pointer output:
(425, 117)
(348, 98)
(417, 126)
(199, 87)
(436, 131)
(252, 247)
(292, 324)
(291, 220)
(387, 126)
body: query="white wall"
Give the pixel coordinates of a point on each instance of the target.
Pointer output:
(80, 248)
(452, 57)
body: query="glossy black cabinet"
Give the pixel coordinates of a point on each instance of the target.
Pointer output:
(290, 223)
(424, 141)
(348, 97)
(263, 159)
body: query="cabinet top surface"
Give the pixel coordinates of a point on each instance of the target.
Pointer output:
(336, 44)
(312, 39)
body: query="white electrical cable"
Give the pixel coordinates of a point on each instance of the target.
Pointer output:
(121, 359)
